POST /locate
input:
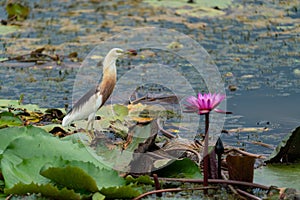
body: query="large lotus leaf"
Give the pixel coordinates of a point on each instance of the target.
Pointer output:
(183, 168)
(71, 177)
(144, 179)
(288, 150)
(81, 138)
(31, 145)
(25, 156)
(98, 196)
(280, 175)
(123, 192)
(9, 134)
(47, 190)
(26, 171)
(79, 175)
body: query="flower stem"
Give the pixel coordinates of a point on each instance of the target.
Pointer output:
(205, 152)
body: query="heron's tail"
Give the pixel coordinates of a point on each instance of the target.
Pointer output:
(66, 120)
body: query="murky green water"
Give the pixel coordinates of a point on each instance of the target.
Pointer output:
(255, 46)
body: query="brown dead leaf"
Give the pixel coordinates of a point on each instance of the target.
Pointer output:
(240, 167)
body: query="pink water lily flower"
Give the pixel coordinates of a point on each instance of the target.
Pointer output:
(205, 103)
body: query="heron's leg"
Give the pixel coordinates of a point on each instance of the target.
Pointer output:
(87, 127)
(91, 120)
(92, 124)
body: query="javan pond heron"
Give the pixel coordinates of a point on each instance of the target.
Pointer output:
(87, 106)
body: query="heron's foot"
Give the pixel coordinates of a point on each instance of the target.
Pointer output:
(90, 133)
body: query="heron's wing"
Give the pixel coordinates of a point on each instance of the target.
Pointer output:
(86, 105)
(84, 100)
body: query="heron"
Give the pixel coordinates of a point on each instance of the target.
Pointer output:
(87, 106)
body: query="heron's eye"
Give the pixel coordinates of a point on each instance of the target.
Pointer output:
(119, 51)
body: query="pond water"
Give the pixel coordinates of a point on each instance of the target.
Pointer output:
(255, 46)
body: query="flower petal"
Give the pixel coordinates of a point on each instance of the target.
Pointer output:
(221, 111)
(201, 112)
(192, 101)
(208, 103)
(218, 98)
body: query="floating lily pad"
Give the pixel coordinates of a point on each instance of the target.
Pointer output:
(197, 9)
(222, 4)
(4, 103)
(7, 30)
(280, 175)
(17, 11)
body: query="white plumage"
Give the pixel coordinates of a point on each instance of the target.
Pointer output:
(87, 106)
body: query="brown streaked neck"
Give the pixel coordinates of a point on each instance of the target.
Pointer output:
(108, 83)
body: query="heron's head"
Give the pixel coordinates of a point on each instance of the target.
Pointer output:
(114, 54)
(117, 52)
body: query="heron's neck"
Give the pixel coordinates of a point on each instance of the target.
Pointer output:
(109, 68)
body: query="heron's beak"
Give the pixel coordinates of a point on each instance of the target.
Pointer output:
(131, 52)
